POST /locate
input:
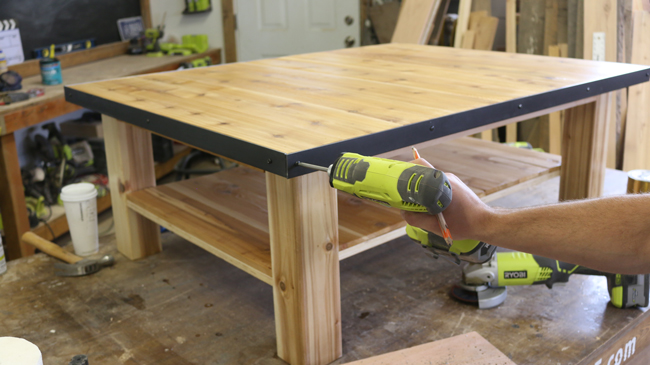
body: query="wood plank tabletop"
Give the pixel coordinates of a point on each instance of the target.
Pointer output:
(271, 113)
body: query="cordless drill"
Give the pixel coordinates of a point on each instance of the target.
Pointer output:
(405, 186)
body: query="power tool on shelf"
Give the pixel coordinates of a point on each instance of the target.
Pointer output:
(199, 62)
(406, 186)
(152, 38)
(152, 41)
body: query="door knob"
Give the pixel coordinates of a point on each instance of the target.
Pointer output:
(349, 20)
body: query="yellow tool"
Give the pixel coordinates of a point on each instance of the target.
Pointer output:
(406, 186)
(392, 183)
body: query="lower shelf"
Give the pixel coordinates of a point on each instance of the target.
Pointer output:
(223, 213)
(226, 213)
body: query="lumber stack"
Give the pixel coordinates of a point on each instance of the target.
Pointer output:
(634, 126)
(603, 30)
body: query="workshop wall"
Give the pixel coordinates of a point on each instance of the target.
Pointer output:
(178, 24)
(42, 23)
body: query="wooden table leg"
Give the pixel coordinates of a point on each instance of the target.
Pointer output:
(303, 224)
(584, 149)
(12, 200)
(129, 157)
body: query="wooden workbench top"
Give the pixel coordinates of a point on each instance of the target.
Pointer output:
(110, 68)
(369, 100)
(186, 306)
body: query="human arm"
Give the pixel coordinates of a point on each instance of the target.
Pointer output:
(610, 234)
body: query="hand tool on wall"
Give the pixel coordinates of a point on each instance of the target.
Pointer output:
(405, 186)
(76, 266)
(63, 48)
(14, 97)
(152, 39)
(485, 284)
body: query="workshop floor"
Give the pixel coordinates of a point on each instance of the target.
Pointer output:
(185, 306)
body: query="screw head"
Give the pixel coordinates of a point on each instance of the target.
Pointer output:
(269, 161)
(588, 88)
(432, 127)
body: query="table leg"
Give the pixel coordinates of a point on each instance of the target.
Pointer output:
(12, 200)
(129, 156)
(303, 225)
(584, 149)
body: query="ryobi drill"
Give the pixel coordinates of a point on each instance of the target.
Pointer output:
(405, 186)
(417, 188)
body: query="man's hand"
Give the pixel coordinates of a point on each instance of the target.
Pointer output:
(467, 216)
(610, 234)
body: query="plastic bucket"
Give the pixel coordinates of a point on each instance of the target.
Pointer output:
(80, 203)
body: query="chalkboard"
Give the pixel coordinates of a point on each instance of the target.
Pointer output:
(45, 22)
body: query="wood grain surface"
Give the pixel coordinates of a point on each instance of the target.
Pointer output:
(25, 113)
(637, 129)
(470, 348)
(137, 236)
(584, 142)
(416, 21)
(32, 67)
(303, 227)
(302, 102)
(601, 16)
(225, 213)
(13, 207)
(186, 306)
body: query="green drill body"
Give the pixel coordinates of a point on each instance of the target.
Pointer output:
(392, 183)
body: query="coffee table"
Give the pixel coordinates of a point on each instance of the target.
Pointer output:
(271, 113)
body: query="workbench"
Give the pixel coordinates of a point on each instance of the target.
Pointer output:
(104, 62)
(185, 306)
(283, 224)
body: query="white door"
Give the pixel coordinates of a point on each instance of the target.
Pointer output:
(274, 28)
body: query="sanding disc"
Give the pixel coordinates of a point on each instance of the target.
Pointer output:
(484, 297)
(466, 296)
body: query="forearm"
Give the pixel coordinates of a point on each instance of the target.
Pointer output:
(608, 234)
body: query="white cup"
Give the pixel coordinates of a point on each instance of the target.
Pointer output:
(18, 351)
(80, 203)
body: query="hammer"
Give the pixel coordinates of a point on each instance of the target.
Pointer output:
(76, 266)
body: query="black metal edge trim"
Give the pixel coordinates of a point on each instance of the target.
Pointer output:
(230, 147)
(436, 128)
